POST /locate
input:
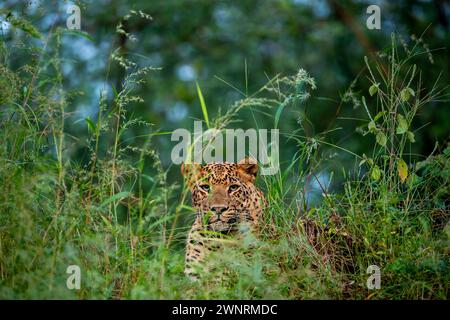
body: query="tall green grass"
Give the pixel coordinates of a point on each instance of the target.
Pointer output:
(126, 228)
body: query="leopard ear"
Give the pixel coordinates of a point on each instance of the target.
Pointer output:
(248, 167)
(190, 171)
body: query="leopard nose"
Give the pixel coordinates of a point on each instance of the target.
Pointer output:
(218, 208)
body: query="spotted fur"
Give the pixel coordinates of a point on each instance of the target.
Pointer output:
(224, 196)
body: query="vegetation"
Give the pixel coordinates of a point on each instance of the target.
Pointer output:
(111, 207)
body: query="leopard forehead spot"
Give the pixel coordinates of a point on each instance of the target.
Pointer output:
(220, 172)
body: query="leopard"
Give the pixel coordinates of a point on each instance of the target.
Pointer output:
(225, 197)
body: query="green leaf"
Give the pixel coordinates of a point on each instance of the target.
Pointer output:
(116, 94)
(375, 173)
(402, 124)
(363, 99)
(378, 116)
(413, 180)
(373, 89)
(402, 170)
(278, 114)
(188, 208)
(410, 136)
(372, 127)
(202, 104)
(22, 24)
(77, 33)
(148, 178)
(106, 221)
(91, 126)
(406, 93)
(381, 138)
(159, 222)
(115, 197)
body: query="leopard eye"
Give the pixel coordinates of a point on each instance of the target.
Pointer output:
(205, 187)
(233, 187)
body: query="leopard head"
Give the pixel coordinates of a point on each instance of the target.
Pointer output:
(223, 194)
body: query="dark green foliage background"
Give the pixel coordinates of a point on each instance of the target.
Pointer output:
(217, 38)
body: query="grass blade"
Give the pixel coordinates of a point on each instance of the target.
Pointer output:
(202, 104)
